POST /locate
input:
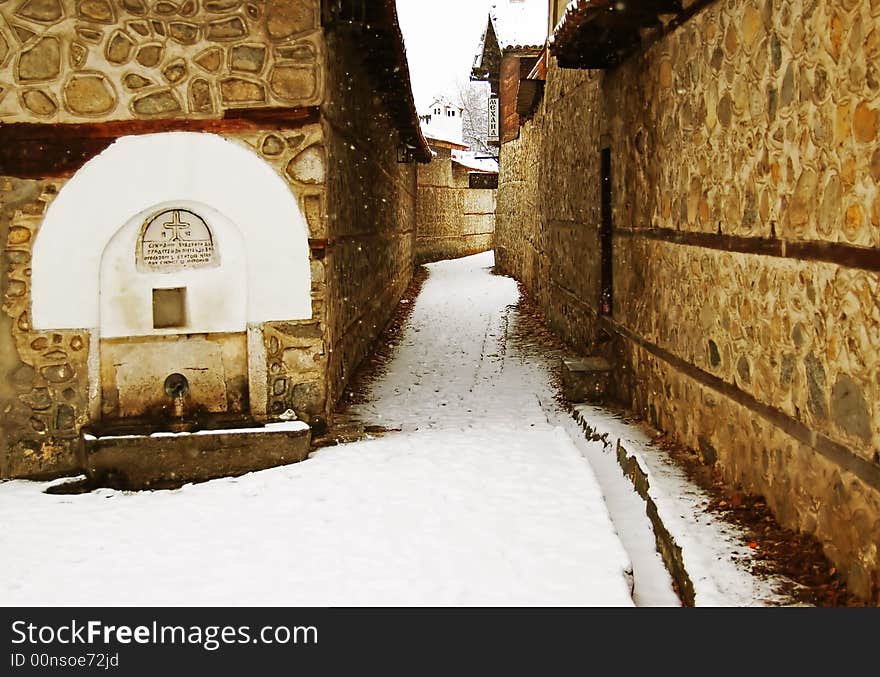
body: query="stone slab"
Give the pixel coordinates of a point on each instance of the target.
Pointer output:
(586, 364)
(167, 459)
(586, 379)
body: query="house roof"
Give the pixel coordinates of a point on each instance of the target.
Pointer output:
(441, 130)
(520, 25)
(511, 27)
(442, 141)
(488, 54)
(602, 33)
(377, 34)
(443, 102)
(475, 164)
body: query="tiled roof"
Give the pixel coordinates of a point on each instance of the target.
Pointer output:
(511, 26)
(601, 33)
(521, 24)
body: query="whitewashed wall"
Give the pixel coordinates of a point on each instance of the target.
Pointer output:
(134, 175)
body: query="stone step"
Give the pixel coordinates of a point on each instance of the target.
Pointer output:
(586, 379)
(171, 459)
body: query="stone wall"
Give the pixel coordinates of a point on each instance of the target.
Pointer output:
(256, 72)
(370, 224)
(747, 225)
(74, 61)
(298, 351)
(453, 220)
(44, 395)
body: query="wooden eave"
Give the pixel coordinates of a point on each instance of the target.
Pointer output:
(443, 143)
(488, 58)
(375, 29)
(602, 33)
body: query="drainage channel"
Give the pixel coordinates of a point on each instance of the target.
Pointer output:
(661, 523)
(654, 583)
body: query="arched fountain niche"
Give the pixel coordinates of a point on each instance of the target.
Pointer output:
(173, 316)
(173, 250)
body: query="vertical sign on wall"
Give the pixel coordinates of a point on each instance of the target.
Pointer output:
(493, 119)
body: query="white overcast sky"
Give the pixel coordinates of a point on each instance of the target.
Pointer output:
(441, 39)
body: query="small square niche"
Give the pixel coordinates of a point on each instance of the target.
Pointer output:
(169, 308)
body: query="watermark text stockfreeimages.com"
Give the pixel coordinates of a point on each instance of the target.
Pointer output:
(209, 637)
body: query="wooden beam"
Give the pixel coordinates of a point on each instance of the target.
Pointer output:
(37, 151)
(839, 253)
(836, 453)
(599, 36)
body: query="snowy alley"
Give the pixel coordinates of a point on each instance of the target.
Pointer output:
(485, 496)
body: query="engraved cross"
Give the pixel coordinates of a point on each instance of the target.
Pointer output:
(175, 226)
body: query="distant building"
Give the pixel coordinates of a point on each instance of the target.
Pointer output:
(442, 124)
(456, 194)
(510, 48)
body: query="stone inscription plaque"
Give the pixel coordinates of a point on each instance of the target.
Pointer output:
(173, 240)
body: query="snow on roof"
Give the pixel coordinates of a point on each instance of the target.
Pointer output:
(470, 161)
(513, 24)
(575, 10)
(571, 9)
(445, 126)
(433, 140)
(442, 134)
(443, 101)
(520, 23)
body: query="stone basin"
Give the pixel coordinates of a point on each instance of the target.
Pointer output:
(165, 459)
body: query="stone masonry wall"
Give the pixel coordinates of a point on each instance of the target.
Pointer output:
(76, 61)
(297, 350)
(746, 207)
(549, 207)
(95, 61)
(371, 214)
(44, 395)
(453, 220)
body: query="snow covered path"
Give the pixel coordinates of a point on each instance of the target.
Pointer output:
(479, 501)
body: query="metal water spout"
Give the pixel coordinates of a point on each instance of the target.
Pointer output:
(176, 387)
